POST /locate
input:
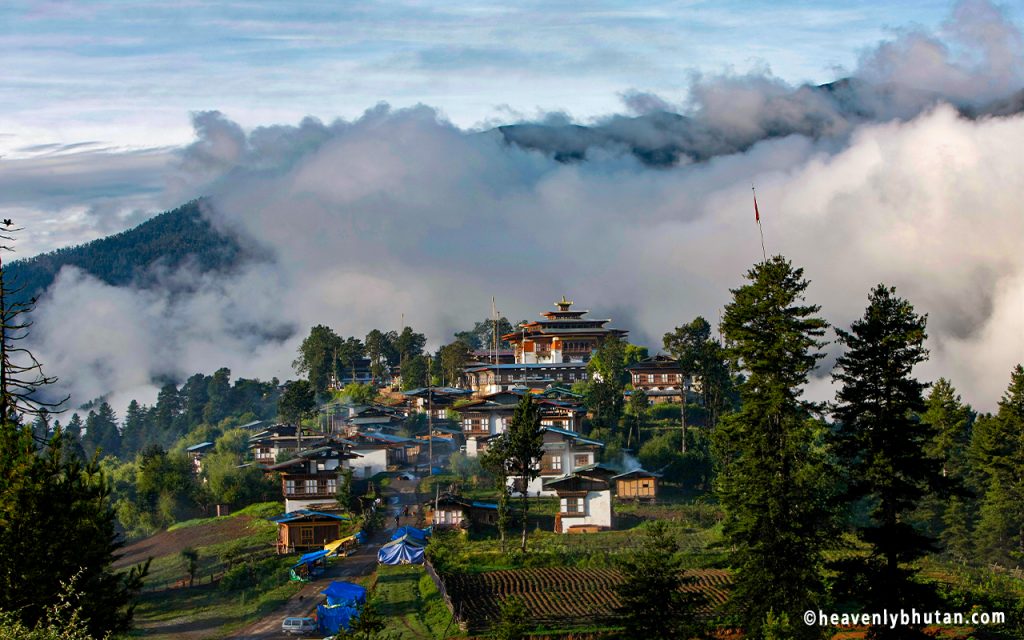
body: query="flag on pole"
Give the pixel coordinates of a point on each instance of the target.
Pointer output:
(757, 214)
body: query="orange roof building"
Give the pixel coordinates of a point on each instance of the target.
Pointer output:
(562, 336)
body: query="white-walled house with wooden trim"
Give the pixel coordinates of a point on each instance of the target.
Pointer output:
(585, 503)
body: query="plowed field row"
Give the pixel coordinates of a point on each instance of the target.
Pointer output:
(559, 597)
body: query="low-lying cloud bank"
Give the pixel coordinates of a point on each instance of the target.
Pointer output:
(910, 173)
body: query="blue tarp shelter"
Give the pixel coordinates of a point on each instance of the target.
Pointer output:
(339, 592)
(412, 532)
(343, 602)
(311, 558)
(405, 550)
(332, 619)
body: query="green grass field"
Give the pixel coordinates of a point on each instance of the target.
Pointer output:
(412, 605)
(256, 585)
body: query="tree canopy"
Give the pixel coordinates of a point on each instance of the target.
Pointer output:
(882, 445)
(772, 466)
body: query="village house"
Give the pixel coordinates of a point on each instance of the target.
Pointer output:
(564, 452)
(440, 446)
(267, 445)
(438, 400)
(399, 450)
(306, 529)
(660, 377)
(584, 502)
(449, 511)
(488, 416)
(195, 454)
(373, 417)
(312, 477)
(359, 373)
(554, 350)
(373, 457)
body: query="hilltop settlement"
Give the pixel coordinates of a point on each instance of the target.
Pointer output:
(549, 478)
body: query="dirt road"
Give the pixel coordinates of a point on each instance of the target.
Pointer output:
(363, 563)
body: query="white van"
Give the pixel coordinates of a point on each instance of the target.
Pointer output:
(299, 626)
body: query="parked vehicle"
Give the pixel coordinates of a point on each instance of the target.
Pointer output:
(299, 626)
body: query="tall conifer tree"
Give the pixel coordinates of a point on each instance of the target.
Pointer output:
(101, 432)
(772, 481)
(952, 516)
(524, 448)
(135, 432)
(998, 452)
(883, 445)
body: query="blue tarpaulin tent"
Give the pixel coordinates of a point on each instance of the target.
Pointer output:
(312, 557)
(405, 550)
(343, 602)
(412, 532)
(339, 592)
(332, 619)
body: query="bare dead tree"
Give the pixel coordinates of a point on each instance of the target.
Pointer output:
(21, 374)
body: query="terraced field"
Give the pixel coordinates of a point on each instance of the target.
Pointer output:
(556, 598)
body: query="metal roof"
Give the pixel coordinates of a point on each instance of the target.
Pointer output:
(639, 473)
(300, 514)
(573, 434)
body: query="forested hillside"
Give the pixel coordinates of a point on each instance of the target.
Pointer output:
(167, 240)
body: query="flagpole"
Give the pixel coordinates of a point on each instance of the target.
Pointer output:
(757, 217)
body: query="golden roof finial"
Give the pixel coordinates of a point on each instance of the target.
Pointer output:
(563, 304)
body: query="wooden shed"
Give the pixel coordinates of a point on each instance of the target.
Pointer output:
(637, 484)
(305, 529)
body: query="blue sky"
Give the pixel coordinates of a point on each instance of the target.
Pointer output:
(129, 72)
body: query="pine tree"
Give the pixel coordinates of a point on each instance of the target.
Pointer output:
(957, 535)
(882, 443)
(73, 437)
(166, 416)
(773, 477)
(950, 513)
(41, 428)
(218, 394)
(951, 422)
(997, 529)
(195, 395)
(134, 434)
(998, 453)
(652, 601)
(101, 433)
(524, 448)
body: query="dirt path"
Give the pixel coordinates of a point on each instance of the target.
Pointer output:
(360, 564)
